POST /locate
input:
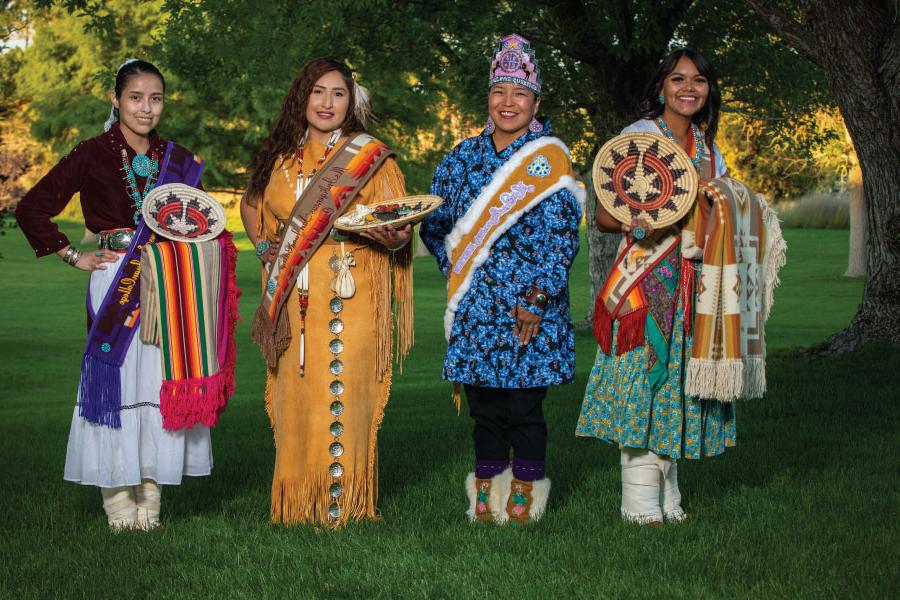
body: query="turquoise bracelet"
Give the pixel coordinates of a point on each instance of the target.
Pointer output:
(263, 247)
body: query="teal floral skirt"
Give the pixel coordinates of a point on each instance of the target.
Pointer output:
(620, 407)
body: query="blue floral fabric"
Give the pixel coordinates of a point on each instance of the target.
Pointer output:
(538, 250)
(621, 407)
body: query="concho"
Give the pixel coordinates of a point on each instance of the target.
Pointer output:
(644, 176)
(182, 213)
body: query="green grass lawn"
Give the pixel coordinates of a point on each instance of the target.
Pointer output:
(805, 506)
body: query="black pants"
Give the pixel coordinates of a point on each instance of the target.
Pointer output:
(508, 418)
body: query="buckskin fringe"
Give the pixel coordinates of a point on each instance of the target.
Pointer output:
(272, 338)
(403, 303)
(392, 298)
(377, 269)
(267, 402)
(372, 450)
(306, 501)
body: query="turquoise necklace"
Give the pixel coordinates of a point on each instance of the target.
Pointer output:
(145, 167)
(698, 141)
(142, 165)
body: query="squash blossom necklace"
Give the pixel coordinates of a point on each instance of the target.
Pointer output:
(144, 166)
(695, 134)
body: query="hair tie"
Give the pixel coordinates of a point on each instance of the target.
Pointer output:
(113, 111)
(124, 64)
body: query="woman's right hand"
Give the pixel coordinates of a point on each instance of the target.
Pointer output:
(96, 261)
(628, 228)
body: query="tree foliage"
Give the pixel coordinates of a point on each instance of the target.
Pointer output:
(857, 44)
(808, 152)
(229, 63)
(67, 72)
(426, 61)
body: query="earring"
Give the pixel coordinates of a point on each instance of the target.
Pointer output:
(535, 126)
(661, 98)
(489, 126)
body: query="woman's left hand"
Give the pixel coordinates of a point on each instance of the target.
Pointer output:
(527, 324)
(389, 237)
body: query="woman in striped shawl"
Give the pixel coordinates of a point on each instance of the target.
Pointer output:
(117, 440)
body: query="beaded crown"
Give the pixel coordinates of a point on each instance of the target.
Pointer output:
(514, 62)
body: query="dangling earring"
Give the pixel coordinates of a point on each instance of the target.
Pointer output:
(661, 98)
(535, 126)
(489, 125)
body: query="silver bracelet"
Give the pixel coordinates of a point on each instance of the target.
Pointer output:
(71, 256)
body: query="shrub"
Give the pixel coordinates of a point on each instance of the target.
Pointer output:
(816, 210)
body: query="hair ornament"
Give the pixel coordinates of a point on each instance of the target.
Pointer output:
(362, 104)
(125, 64)
(113, 111)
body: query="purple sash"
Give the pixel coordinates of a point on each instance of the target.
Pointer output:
(116, 322)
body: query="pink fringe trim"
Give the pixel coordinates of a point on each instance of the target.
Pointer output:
(185, 403)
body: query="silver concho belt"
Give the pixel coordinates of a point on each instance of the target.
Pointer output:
(116, 239)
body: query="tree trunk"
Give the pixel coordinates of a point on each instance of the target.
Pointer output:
(856, 261)
(601, 252)
(857, 44)
(420, 249)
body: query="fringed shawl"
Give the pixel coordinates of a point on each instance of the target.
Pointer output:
(743, 250)
(190, 297)
(740, 245)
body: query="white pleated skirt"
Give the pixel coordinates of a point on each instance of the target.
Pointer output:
(141, 449)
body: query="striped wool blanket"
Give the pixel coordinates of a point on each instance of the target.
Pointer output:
(742, 251)
(189, 299)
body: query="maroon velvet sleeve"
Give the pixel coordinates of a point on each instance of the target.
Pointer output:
(47, 199)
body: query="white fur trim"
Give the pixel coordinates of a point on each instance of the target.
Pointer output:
(540, 493)
(464, 225)
(501, 487)
(470, 492)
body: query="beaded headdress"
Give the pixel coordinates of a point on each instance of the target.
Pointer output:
(514, 62)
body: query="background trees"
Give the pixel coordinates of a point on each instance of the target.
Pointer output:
(229, 63)
(857, 44)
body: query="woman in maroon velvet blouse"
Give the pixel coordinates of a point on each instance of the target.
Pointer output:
(112, 173)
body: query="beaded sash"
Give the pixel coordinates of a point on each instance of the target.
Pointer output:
(536, 171)
(325, 198)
